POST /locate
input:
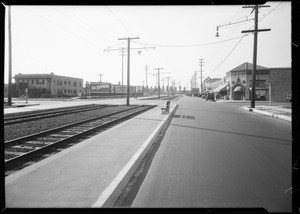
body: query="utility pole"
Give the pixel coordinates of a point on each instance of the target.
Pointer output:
(10, 59)
(146, 68)
(255, 31)
(168, 85)
(128, 65)
(201, 63)
(122, 68)
(158, 69)
(123, 50)
(100, 77)
(195, 79)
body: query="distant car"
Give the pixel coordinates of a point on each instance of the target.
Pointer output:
(210, 96)
(289, 97)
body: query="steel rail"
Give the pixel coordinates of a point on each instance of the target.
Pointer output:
(51, 131)
(20, 114)
(37, 116)
(26, 156)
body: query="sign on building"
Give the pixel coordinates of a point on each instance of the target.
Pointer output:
(100, 88)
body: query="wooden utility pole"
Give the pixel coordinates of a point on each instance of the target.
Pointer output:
(168, 85)
(123, 50)
(201, 64)
(158, 69)
(146, 68)
(9, 58)
(255, 31)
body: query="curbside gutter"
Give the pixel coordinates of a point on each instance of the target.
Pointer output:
(110, 195)
(270, 114)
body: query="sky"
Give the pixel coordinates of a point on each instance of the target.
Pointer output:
(74, 41)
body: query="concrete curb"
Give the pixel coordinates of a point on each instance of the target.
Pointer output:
(278, 116)
(110, 195)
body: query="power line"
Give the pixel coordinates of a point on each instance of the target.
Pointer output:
(229, 53)
(243, 37)
(88, 21)
(119, 20)
(184, 46)
(55, 24)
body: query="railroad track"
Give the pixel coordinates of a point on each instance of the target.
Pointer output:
(8, 120)
(28, 148)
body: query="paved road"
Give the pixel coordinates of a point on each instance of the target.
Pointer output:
(218, 155)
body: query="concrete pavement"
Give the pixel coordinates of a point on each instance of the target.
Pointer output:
(218, 155)
(84, 175)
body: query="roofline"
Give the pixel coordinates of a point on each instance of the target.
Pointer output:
(45, 75)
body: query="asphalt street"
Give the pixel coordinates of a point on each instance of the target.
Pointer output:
(216, 154)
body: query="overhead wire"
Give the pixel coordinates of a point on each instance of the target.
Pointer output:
(119, 20)
(73, 21)
(88, 21)
(185, 46)
(60, 26)
(242, 38)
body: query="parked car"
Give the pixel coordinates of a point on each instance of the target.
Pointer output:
(210, 96)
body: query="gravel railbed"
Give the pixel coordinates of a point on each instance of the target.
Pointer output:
(32, 127)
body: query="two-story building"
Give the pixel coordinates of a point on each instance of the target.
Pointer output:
(54, 84)
(239, 82)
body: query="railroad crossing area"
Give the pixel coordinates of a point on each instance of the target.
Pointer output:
(91, 173)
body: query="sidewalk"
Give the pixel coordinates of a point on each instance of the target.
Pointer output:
(91, 173)
(280, 110)
(272, 111)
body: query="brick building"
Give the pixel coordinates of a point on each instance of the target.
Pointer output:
(281, 83)
(239, 82)
(54, 84)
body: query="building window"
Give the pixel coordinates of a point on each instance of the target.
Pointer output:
(80, 84)
(54, 81)
(32, 81)
(75, 84)
(37, 82)
(69, 83)
(59, 82)
(65, 90)
(75, 92)
(43, 82)
(65, 82)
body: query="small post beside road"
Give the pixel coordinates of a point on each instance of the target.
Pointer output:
(26, 95)
(270, 99)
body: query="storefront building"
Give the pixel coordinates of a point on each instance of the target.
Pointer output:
(239, 82)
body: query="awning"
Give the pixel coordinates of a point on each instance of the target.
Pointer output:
(220, 88)
(238, 88)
